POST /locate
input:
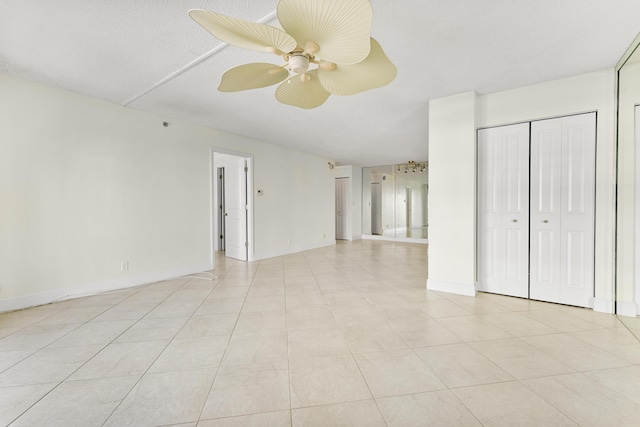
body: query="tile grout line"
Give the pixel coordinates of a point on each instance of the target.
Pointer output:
(358, 366)
(87, 361)
(222, 359)
(160, 353)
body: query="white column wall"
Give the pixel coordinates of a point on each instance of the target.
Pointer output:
(86, 184)
(452, 176)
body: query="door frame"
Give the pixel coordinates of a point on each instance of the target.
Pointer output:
(636, 137)
(214, 200)
(346, 199)
(220, 202)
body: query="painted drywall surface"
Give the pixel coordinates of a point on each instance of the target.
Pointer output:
(298, 201)
(583, 93)
(628, 157)
(86, 185)
(451, 213)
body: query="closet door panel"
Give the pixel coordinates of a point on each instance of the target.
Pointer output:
(562, 209)
(546, 151)
(516, 218)
(578, 213)
(503, 210)
(490, 161)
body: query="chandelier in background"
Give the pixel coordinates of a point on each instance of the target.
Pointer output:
(412, 166)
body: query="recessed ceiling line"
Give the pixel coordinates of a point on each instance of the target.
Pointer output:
(190, 65)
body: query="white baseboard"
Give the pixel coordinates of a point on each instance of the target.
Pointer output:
(294, 249)
(626, 308)
(603, 305)
(451, 287)
(100, 286)
(395, 239)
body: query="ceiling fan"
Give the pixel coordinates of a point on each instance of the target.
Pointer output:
(326, 45)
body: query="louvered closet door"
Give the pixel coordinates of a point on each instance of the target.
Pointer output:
(563, 209)
(503, 210)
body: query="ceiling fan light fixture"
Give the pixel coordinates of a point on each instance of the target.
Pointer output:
(311, 47)
(305, 77)
(299, 63)
(327, 66)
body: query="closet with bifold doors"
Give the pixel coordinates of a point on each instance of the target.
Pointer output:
(536, 209)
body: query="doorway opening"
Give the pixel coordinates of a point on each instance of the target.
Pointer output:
(342, 209)
(232, 222)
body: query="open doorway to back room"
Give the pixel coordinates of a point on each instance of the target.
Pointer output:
(232, 220)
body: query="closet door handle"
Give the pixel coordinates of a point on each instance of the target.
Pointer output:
(545, 221)
(514, 220)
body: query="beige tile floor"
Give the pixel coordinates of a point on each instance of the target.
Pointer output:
(339, 336)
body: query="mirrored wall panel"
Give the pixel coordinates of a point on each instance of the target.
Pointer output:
(628, 196)
(394, 201)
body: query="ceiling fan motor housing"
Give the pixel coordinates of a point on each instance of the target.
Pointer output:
(299, 63)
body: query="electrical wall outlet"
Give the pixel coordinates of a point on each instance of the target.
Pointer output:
(124, 266)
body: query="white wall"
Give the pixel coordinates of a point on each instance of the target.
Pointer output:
(86, 184)
(583, 93)
(451, 213)
(452, 169)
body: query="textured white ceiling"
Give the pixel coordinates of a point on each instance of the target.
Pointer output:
(149, 55)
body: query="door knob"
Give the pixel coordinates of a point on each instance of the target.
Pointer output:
(545, 221)
(514, 220)
(225, 214)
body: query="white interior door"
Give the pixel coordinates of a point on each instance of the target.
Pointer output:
(342, 214)
(503, 210)
(376, 209)
(235, 181)
(563, 209)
